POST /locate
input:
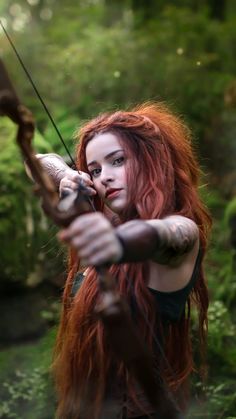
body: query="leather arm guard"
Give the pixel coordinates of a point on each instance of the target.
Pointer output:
(139, 241)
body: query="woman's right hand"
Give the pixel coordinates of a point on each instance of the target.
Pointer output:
(71, 180)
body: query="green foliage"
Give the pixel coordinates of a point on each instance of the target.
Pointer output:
(23, 227)
(29, 394)
(83, 65)
(219, 400)
(221, 354)
(27, 391)
(230, 211)
(52, 313)
(219, 263)
(221, 328)
(93, 56)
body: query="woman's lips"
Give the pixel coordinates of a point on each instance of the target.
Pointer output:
(112, 193)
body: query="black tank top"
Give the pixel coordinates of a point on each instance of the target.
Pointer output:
(170, 305)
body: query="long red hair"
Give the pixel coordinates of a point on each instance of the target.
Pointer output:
(166, 175)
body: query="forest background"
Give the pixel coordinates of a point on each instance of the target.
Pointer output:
(86, 57)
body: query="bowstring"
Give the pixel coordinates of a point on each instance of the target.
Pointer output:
(37, 93)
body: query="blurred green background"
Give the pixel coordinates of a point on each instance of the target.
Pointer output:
(85, 57)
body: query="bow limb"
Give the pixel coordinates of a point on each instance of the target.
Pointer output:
(61, 211)
(11, 106)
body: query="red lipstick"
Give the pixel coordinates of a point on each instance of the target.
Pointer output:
(111, 192)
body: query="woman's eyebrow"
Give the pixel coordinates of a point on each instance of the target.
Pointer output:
(106, 157)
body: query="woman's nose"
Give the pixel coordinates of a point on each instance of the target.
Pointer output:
(106, 177)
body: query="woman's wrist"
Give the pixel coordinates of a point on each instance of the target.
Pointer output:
(139, 241)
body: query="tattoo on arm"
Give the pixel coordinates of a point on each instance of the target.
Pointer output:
(177, 236)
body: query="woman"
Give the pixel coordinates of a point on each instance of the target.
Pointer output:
(144, 178)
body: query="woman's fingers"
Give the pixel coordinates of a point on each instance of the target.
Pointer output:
(100, 253)
(73, 186)
(86, 178)
(71, 181)
(94, 238)
(86, 228)
(67, 183)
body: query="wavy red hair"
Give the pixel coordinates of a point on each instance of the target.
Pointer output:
(167, 174)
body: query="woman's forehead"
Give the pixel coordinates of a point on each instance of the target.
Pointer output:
(101, 145)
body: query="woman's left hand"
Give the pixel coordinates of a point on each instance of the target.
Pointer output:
(94, 238)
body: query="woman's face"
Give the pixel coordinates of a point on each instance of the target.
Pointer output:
(107, 163)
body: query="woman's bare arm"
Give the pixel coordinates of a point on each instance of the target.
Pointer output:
(166, 241)
(64, 178)
(177, 236)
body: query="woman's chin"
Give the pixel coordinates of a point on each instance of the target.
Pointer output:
(116, 205)
(116, 209)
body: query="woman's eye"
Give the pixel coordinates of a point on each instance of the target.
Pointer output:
(95, 172)
(118, 161)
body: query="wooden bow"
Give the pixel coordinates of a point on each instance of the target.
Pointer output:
(112, 310)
